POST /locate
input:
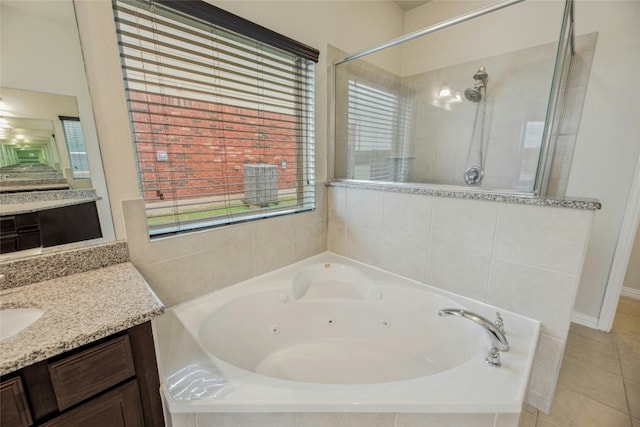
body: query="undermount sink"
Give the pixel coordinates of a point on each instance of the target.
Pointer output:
(14, 320)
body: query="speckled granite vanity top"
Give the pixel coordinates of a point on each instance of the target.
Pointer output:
(78, 309)
(33, 201)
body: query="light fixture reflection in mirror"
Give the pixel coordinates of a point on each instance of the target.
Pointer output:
(446, 96)
(34, 136)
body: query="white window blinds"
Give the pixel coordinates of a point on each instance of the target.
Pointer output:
(372, 130)
(222, 123)
(75, 147)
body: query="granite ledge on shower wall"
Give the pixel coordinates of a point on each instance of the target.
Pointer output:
(78, 309)
(462, 193)
(33, 201)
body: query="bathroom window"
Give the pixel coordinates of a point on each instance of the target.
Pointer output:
(222, 115)
(375, 135)
(75, 147)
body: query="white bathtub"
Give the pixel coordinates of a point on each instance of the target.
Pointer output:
(329, 334)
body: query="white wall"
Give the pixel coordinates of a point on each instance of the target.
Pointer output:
(607, 146)
(183, 267)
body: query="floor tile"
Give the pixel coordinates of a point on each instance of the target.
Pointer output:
(628, 305)
(633, 397)
(593, 352)
(573, 409)
(528, 417)
(629, 354)
(594, 382)
(594, 334)
(626, 323)
(544, 423)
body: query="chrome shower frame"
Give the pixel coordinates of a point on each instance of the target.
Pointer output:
(553, 117)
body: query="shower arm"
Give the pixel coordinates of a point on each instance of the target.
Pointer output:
(431, 29)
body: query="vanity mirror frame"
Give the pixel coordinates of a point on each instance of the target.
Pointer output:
(48, 58)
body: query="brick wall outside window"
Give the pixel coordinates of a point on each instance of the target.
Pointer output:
(207, 145)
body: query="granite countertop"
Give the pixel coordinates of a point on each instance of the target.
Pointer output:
(78, 309)
(33, 201)
(29, 207)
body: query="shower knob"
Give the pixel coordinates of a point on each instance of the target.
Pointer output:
(473, 175)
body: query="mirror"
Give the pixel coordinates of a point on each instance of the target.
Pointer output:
(43, 80)
(41, 133)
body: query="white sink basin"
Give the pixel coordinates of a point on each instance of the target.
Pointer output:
(14, 320)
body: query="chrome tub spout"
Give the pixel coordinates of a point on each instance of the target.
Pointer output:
(498, 340)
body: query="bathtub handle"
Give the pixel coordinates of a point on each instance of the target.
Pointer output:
(498, 339)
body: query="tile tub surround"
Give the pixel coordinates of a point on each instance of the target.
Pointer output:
(522, 254)
(78, 309)
(23, 271)
(211, 259)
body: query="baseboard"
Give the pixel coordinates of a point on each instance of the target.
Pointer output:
(584, 320)
(630, 292)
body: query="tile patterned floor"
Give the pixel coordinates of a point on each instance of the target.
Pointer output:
(599, 381)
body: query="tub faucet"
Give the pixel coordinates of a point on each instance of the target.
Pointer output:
(498, 340)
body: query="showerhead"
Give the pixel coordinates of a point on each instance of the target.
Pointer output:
(473, 95)
(481, 74)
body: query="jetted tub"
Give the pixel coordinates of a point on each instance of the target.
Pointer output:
(329, 334)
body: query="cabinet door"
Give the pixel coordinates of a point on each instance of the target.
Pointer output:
(69, 224)
(14, 410)
(80, 376)
(118, 408)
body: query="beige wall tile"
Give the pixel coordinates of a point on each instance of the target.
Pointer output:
(182, 420)
(464, 224)
(458, 271)
(364, 209)
(444, 420)
(546, 365)
(272, 244)
(544, 237)
(538, 293)
(364, 245)
(246, 420)
(344, 420)
(405, 257)
(336, 237)
(337, 204)
(407, 215)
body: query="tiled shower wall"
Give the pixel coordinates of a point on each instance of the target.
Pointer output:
(522, 258)
(517, 95)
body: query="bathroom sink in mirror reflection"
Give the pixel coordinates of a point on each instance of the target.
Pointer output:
(15, 320)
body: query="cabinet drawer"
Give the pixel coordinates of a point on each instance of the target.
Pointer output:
(14, 410)
(118, 408)
(82, 375)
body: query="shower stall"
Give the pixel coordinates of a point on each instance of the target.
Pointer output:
(485, 101)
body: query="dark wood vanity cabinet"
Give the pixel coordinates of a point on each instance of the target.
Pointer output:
(49, 227)
(113, 382)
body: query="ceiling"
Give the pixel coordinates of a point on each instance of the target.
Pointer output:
(410, 4)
